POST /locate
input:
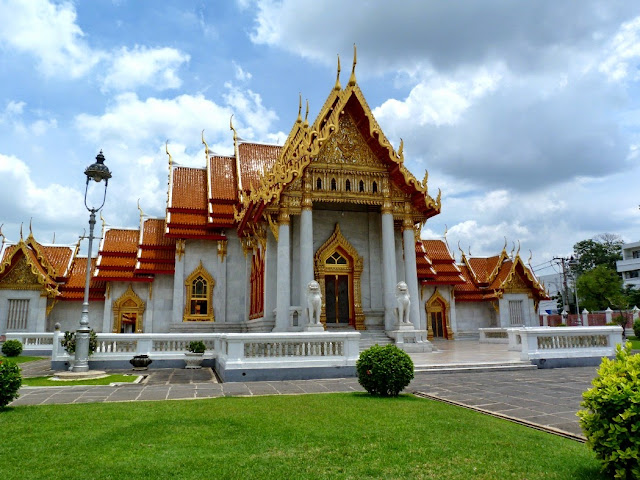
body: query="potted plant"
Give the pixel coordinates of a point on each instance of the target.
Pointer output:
(69, 344)
(194, 356)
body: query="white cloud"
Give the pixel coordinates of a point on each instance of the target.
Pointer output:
(48, 32)
(145, 66)
(13, 117)
(241, 75)
(624, 52)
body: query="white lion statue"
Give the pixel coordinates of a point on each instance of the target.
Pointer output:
(314, 302)
(403, 303)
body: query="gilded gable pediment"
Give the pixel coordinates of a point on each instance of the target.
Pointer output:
(20, 277)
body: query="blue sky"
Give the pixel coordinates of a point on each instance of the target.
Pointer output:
(525, 114)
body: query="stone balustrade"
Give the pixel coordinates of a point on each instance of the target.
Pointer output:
(566, 346)
(33, 343)
(264, 356)
(493, 335)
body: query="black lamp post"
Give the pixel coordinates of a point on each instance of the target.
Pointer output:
(97, 172)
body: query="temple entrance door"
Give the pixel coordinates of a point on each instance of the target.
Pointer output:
(338, 301)
(438, 324)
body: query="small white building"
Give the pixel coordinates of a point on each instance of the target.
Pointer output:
(629, 266)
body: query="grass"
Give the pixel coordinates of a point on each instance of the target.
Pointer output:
(635, 343)
(22, 359)
(349, 435)
(47, 382)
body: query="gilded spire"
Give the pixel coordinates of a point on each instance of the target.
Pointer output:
(513, 249)
(20, 230)
(299, 119)
(337, 86)
(425, 180)
(461, 251)
(446, 230)
(530, 257)
(30, 229)
(518, 252)
(235, 150)
(352, 78)
(401, 150)
(306, 115)
(206, 147)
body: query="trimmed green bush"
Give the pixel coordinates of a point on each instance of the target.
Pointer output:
(611, 421)
(636, 328)
(69, 342)
(384, 371)
(10, 381)
(12, 348)
(197, 347)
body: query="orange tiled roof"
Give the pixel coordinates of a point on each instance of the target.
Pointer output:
(222, 179)
(73, 289)
(117, 255)
(253, 159)
(446, 272)
(156, 252)
(59, 257)
(120, 240)
(189, 189)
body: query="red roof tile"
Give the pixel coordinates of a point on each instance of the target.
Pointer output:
(189, 189)
(222, 179)
(253, 159)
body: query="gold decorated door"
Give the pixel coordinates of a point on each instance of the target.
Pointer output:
(338, 306)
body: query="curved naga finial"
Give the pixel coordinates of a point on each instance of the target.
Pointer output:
(470, 250)
(518, 252)
(513, 250)
(337, 86)
(504, 248)
(530, 257)
(166, 149)
(306, 115)
(3, 237)
(206, 147)
(461, 251)
(20, 230)
(30, 229)
(401, 150)
(352, 79)
(231, 127)
(140, 209)
(299, 119)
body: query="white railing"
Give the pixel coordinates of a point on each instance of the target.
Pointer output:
(285, 350)
(567, 342)
(123, 346)
(493, 335)
(32, 341)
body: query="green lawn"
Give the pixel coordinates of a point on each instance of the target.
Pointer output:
(22, 359)
(635, 343)
(348, 435)
(47, 382)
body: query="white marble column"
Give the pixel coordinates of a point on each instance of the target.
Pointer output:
(178, 283)
(388, 265)
(270, 276)
(107, 316)
(306, 253)
(283, 295)
(411, 270)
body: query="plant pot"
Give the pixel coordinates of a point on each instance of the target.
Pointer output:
(140, 362)
(194, 360)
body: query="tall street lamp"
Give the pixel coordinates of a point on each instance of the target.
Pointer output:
(97, 172)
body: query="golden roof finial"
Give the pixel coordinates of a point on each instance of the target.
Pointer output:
(518, 252)
(425, 179)
(446, 230)
(513, 250)
(206, 147)
(30, 229)
(3, 237)
(352, 78)
(20, 230)
(439, 198)
(232, 128)
(337, 86)
(470, 250)
(53, 241)
(140, 209)
(166, 149)
(504, 248)
(530, 257)
(299, 119)
(461, 251)
(235, 151)
(401, 150)
(306, 115)
(104, 223)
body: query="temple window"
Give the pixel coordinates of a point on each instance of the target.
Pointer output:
(347, 186)
(333, 184)
(17, 314)
(336, 259)
(361, 186)
(375, 187)
(516, 313)
(198, 305)
(319, 184)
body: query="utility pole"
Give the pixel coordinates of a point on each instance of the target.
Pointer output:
(565, 286)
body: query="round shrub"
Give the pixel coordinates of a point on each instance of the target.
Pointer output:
(12, 348)
(69, 342)
(611, 421)
(384, 371)
(636, 328)
(197, 346)
(10, 381)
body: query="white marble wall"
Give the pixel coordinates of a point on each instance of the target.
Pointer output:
(473, 315)
(233, 284)
(68, 313)
(160, 306)
(528, 310)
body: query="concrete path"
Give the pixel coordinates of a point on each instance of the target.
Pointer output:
(547, 399)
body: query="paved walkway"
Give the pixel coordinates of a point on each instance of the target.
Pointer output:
(548, 399)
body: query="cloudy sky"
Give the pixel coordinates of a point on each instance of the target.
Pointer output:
(526, 114)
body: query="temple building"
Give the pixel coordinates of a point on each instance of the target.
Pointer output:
(244, 235)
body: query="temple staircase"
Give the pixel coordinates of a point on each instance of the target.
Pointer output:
(373, 336)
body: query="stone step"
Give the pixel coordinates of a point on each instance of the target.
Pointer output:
(474, 367)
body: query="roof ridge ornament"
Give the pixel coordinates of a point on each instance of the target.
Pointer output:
(401, 150)
(235, 151)
(530, 257)
(3, 237)
(306, 115)
(53, 241)
(518, 252)
(166, 149)
(140, 209)
(206, 147)
(337, 86)
(20, 230)
(352, 78)
(299, 119)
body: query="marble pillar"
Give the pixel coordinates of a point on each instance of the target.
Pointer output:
(388, 269)
(306, 255)
(411, 271)
(283, 295)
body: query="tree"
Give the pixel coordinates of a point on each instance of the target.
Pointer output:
(603, 249)
(599, 288)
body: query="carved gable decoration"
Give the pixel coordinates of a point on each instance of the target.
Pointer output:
(516, 284)
(346, 146)
(20, 277)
